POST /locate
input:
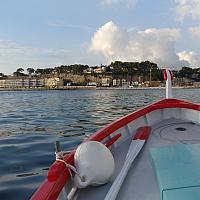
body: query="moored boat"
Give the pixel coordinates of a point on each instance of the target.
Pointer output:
(156, 156)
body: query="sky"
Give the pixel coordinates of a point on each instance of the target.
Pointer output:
(49, 33)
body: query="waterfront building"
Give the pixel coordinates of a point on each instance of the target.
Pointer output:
(116, 82)
(92, 83)
(21, 83)
(40, 83)
(182, 82)
(2, 83)
(196, 84)
(33, 83)
(13, 83)
(26, 83)
(145, 84)
(135, 84)
(54, 82)
(105, 82)
(125, 83)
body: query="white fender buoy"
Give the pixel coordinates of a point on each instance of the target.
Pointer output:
(94, 163)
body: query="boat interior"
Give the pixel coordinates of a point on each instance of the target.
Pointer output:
(141, 182)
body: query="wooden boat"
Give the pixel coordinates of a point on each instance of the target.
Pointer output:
(165, 156)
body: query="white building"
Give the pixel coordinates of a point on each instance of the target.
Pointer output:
(54, 82)
(92, 84)
(21, 83)
(105, 82)
(2, 83)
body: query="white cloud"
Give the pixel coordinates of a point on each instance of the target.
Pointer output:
(156, 45)
(127, 3)
(195, 31)
(187, 8)
(191, 57)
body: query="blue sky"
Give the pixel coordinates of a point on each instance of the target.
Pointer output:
(47, 33)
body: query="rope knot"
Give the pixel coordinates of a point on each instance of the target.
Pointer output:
(71, 168)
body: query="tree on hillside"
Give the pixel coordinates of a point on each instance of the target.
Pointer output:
(185, 72)
(43, 71)
(48, 70)
(131, 69)
(30, 71)
(19, 72)
(78, 69)
(2, 75)
(39, 71)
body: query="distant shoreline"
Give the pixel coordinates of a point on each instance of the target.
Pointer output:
(142, 88)
(91, 88)
(45, 88)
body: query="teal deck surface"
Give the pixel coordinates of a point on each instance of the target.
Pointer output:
(188, 193)
(177, 169)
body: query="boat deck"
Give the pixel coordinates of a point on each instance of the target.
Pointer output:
(140, 182)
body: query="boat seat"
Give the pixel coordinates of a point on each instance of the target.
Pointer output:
(177, 170)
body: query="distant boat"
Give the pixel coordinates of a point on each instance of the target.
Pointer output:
(156, 153)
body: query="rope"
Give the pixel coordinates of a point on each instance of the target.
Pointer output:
(59, 157)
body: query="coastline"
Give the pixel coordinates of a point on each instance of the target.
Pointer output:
(45, 88)
(92, 88)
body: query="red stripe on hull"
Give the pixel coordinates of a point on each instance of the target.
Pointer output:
(58, 175)
(113, 140)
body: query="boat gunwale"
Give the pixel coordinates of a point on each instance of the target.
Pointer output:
(58, 175)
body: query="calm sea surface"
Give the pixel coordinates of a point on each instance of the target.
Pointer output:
(31, 121)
